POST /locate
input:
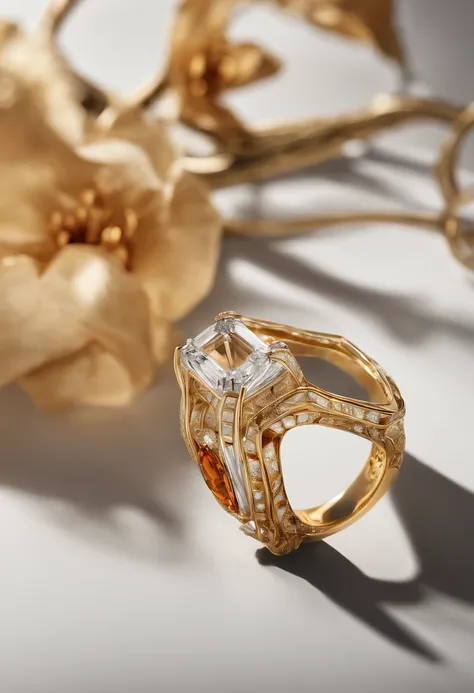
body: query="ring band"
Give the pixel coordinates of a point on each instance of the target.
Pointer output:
(243, 389)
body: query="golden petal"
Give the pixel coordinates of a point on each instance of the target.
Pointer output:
(176, 252)
(27, 203)
(110, 306)
(244, 63)
(148, 133)
(33, 153)
(91, 376)
(37, 322)
(34, 58)
(372, 21)
(122, 168)
(197, 21)
(214, 118)
(165, 339)
(84, 299)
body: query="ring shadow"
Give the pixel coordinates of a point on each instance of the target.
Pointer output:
(441, 555)
(423, 499)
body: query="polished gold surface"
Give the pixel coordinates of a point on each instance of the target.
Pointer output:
(262, 420)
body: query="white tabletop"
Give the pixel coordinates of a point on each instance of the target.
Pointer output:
(121, 574)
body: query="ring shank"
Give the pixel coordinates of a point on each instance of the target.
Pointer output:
(376, 475)
(346, 357)
(353, 500)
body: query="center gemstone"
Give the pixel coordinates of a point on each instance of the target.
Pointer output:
(227, 355)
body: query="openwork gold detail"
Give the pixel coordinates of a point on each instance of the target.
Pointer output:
(255, 425)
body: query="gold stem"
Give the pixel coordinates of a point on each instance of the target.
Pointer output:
(93, 98)
(148, 93)
(55, 14)
(285, 148)
(274, 228)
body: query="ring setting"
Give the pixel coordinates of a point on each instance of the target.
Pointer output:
(243, 389)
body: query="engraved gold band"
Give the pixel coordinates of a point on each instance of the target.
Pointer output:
(243, 389)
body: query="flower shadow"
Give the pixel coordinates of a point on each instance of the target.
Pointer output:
(91, 468)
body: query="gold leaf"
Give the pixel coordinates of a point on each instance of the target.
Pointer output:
(370, 21)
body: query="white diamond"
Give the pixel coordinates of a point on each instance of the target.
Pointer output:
(260, 507)
(275, 346)
(279, 497)
(273, 467)
(210, 419)
(252, 431)
(297, 397)
(196, 417)
(249, 446)
(337, 405)
(255, 372)
(206, 437)
(395, 431)
(258, 495)
(373, 416)
(281, 511)
(319, 399)
(233, 466)
(255, 471)
(269, 452)
(289, 421)
(277, 427)
(302, 418)
(227, 430)
(358, 412)
(228, 415)
(358, 428)
(248, 527)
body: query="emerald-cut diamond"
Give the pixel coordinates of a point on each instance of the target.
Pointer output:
(227, 356)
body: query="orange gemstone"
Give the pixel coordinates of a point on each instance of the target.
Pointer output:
(216, 478)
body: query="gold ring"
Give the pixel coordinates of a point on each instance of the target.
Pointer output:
(243, 389)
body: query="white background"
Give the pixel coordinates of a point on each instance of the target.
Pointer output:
(119, 572)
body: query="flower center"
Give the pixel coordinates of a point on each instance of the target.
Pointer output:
(90, 222)
(210, 72)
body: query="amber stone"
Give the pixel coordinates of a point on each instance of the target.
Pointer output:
(216, 478)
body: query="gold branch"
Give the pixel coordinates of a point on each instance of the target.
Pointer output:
(274, 228)
(285, 148)
(55, 14)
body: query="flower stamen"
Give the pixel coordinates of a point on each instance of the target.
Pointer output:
(89, 222)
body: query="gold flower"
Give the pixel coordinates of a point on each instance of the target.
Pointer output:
(204, 64)
(103, 245)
